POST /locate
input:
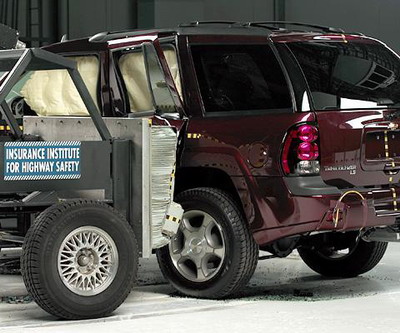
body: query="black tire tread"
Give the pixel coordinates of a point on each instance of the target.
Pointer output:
(364, 258)
(248, 252)
(29, 259)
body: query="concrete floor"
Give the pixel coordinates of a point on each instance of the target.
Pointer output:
(283, 296)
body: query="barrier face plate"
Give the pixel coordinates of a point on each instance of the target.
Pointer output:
(42, 160)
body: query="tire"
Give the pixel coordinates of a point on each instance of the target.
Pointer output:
(361, 258)
(69, 245)
(198, 272)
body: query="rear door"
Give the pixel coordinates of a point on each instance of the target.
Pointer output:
(247, 109)
(355, 88)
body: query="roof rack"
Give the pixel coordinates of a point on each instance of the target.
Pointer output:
(106, 36)
(270, 24)
(263, 25)
(197, 23)
(229, 23)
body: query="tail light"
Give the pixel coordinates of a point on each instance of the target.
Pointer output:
(301, 152)
(307, 151)
(307, 133)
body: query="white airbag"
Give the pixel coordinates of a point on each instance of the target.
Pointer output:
(52, 93)
(172, 61)
(133, 72)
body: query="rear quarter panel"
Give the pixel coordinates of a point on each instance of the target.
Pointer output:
(248, 149)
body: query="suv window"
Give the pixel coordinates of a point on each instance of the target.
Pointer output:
(240, 78)
(133, 71)
(140, 91)
(349, 75)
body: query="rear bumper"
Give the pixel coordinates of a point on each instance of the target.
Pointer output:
(356, 209)
(383, 200)
(314, 206)
(309, 186)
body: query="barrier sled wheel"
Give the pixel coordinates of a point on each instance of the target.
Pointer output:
(79, 259)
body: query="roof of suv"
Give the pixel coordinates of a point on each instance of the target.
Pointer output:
(223, 28)
(265, 28)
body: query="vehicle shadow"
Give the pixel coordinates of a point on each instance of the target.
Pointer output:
(291, 280)
(286, 279)
(312, 289)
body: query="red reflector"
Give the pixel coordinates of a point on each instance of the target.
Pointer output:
(307, 133)
(307, 151)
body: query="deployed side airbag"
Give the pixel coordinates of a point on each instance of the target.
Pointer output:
(133, 71)
(52, 93)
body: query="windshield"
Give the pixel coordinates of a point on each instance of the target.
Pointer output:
(349, 75)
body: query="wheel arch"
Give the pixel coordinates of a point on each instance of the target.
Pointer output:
(191, 177)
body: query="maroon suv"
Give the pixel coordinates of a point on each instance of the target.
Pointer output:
(288, 140)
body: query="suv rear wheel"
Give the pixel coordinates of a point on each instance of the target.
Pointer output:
(357, 258)
(213, 254)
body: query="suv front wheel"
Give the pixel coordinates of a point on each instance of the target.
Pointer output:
(213, 255)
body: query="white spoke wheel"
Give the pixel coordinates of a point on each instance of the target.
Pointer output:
(213, 255)
(87, 261)
(79, 259)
